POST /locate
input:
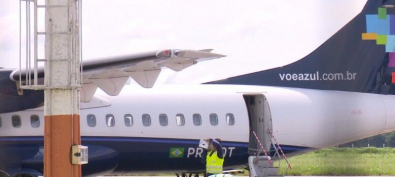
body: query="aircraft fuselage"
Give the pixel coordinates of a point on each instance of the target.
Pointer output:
(158, 130)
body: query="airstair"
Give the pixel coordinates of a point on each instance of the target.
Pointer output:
(262, 165)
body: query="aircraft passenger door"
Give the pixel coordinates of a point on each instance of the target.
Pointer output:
(259, 115)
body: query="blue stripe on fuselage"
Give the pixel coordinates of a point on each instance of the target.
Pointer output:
(119, 155)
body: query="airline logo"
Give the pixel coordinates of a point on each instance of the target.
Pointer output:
(381, 28)
(176, 153)
(317, 76)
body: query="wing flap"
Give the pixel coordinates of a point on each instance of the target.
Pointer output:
(87, 92)
(112, 86)
(145, 78)
(178, 66)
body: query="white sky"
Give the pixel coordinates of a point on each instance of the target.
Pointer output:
(255, 34)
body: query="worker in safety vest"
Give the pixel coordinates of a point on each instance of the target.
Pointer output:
(213, 157)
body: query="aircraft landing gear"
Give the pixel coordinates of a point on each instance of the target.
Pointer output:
(185, 175)
(182, 175)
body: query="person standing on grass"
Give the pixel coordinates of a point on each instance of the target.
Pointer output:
(213, 157)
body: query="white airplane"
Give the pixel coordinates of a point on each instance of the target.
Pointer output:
(341, 92)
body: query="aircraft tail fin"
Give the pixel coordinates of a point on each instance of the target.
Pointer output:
(360, 57)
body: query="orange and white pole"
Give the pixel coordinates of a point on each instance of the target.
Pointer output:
(62, 131)
(62, 80)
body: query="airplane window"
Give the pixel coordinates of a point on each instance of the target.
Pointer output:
(34, 121)
(163, 119)
(230, 119)
(197, 119)
(146, 120)
(110, 120)
(213, 119)
(128, 120)
(91, 120)
(16, 121)
(180, 120)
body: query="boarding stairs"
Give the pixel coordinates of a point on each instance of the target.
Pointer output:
(262, 165)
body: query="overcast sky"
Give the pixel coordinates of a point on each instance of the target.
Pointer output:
(255, 34)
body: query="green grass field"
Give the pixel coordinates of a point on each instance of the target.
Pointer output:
(342, 161)
(338, 162)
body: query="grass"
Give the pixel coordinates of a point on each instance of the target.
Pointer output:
(342, 161)
(337, 161)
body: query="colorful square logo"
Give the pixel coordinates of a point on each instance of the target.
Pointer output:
(382, 13)
(391, 63)
(381, 39)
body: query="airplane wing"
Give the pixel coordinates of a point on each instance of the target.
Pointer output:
(110, 74)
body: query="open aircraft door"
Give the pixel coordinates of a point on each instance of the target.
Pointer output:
(260, 122)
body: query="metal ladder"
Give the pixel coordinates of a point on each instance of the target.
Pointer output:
(262, 166)
(31, 53)
(274, 143)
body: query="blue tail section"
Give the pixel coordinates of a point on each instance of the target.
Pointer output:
(360, 57)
